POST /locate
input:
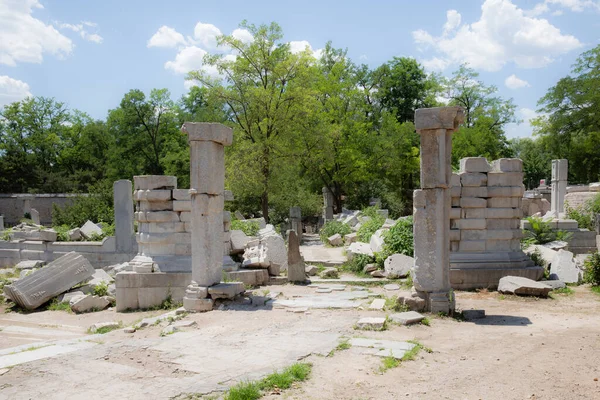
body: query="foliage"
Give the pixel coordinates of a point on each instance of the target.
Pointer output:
(96, 207)
(297, 372)
(388, 362)
(55, 305)
(369, 227)
(330, 228)
(105, 329)
(250, 228)
(592, 269)
(399, 239)
(584, 219)
(63, 232)
(541, 232)
(101, 289)
(358, 263)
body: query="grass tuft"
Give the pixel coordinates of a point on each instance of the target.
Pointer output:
(388, 362)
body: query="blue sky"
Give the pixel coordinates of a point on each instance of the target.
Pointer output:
(88, 54)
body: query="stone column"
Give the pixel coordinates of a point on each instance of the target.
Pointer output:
(328, 205)
(207, 184)
(431, 274)
(1, 223)
(560, 169)
(296, 221)
(27, 199)
(123, 204)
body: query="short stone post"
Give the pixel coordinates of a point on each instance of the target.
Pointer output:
(296, 270)
(27, 204)
(35, 216)
(432, 207)
(296, 221)
(1, 223)
(123, 204)
(560, 169)
(207, 183)
(328, 205)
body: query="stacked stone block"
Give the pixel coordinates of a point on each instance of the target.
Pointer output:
(485, 234)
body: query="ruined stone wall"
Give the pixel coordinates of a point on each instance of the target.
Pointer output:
(485, 234)
(12, 205)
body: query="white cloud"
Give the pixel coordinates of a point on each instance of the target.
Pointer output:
(166, 37)
(502, 35)
(363, 57)
(512, 82)
(79, 28)
(572, 5)
(188, 59)
(452, 21)
(12, 90)
(25, 38)
(243, 35)
(435, 64)
(206, 35)
(297, 46)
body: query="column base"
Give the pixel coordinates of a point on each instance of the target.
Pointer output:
(196, 298)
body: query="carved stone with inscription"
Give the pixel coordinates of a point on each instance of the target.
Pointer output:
(50, 281)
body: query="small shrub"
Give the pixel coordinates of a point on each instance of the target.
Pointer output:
(330, 228)
(540, 232)
(399, 239)
(6, 234)
(63, 232)
(101, 289)
(358, 262)
(592, 269)
(369, 227)
(55, 305)
(388, 362)
(97, 206)
(250, 228)
(583, 216)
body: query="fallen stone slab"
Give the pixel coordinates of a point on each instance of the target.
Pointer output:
(324, 290)
(335, 240)
(376, 242)
(90, 229)
(377, 304)
(67, 297)
(337, 288)
(30, 264)
(470, 315)
(44, 235)
(378, 274)
(522, 286)
(169, 330)
(407, 318)
(381, 348)
(226, 290)
(74, 234)
(367, 269)
(555, 284)
(87, 303)
(99, 277)
(391, 287)
(238, 240)
(371, 323)
(358, 248)
(48, 282)
(330, 272)
(398, 265)
(99, 325)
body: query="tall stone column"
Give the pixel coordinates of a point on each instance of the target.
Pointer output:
(207, 183)
(560, 169)
(124, 233)
(432, 207)
(328, 205)
(296, 221)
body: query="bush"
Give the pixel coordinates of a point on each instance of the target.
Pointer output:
(368, 228)
(583, 216)
(358, 262)
(398, 240)
(541, 232)
(330, 228)
(97, 206)
(101, 289)
(592, 269)
(250, 228)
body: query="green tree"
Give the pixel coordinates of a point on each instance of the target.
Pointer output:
(570, 127)
(536, 162)
(263, 90)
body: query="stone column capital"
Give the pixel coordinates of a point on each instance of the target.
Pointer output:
(431, 119)
(208, 132)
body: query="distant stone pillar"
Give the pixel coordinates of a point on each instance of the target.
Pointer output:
(296, 221)
(296, 271)
(560, 169)
(1, 223)
(27, 204)
(328, 205)
(123, 205)
(207, 183)
(432, 207)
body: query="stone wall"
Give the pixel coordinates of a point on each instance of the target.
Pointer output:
(485, 229)
(12, 205)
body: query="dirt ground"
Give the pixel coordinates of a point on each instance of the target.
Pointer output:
(526, 348)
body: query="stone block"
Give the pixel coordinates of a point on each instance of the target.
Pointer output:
(564, 268)
(376, 242)
(181, 194)
(182, 205)
(161, 227)
(155, 206)
(154, 182)
(473, 234)
(473, 202)
(493, 224)
(74, 234)
(50, 281)
(502, 245)
(197, 305)
(507, 165)
(209, 159)
(295, 271)
(436, 171)
(87, 303)
(438, 118)
(358, 248)
(208, 131)
(503, 213)
(185, 216)
(226, 290)
(398, 265)
(504, 234)
(455, 213)
(335, 240)
(502, 179)
(471, 245)
(157, 216)
(474, 164)
(30, 264)
(455, 202)
(506, 191)
(44, 235)
(474, 191)
(153, 195)
(456, 191)
(468, 224)
(408, 317)
(504, 202)
(522, 286)
(152, 296)
(472, 179)
(371, 323)
(311, 270)
(455, 235)
(239, 240)
(377, 304)
(454, 180)
(350, 238)
(471, 213)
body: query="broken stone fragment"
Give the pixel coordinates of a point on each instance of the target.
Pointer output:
(371, 323)
(87, 303)
(74, 234)
(90, 229)
(335, 240)
(311, 270)
(30, 264)
(398, 265)
(407, 318)
(522, 286)
(330, 272)
(99, 325)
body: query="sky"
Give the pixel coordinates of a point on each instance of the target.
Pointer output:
(88, 54)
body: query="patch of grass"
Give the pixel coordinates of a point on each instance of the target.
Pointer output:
(167, 304)
(106, 329)
(566, 291)
(55, 305)
(392, 304)
(344, 344)
(595, 289)
(426, 322)
(101, 289)
(388, 362)
(278, 380)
